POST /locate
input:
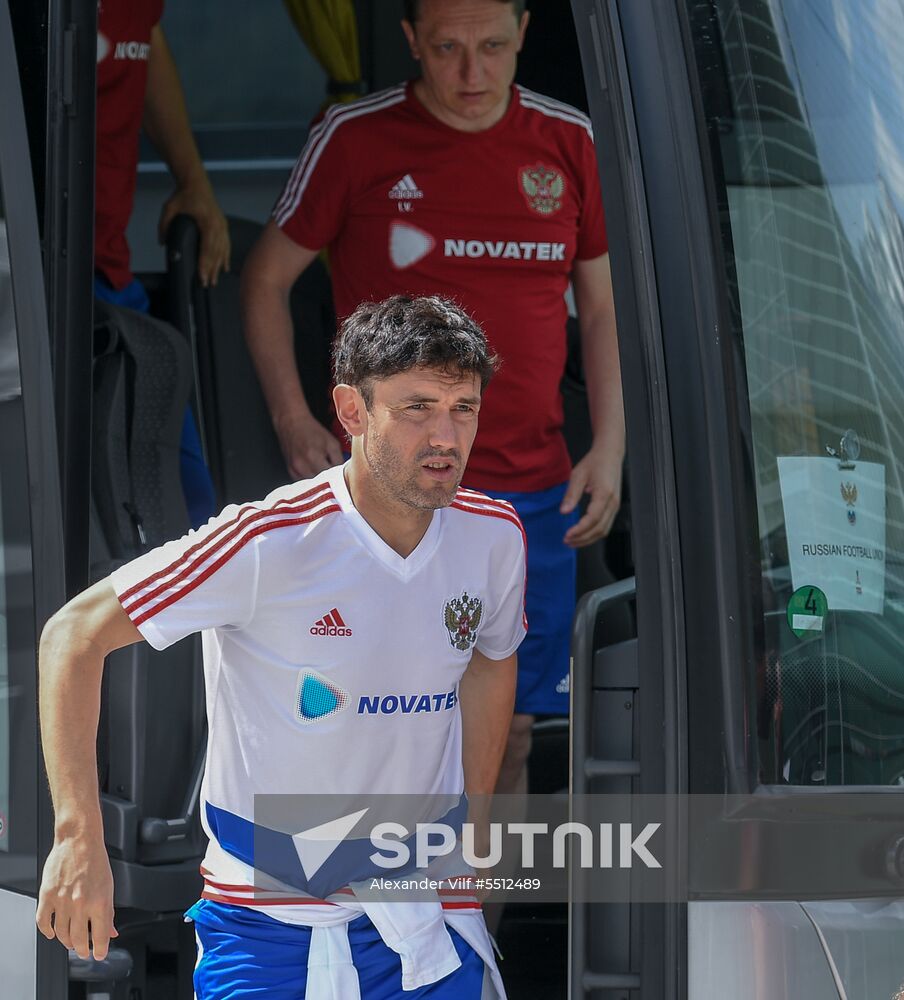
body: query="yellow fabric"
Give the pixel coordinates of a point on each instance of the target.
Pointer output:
(330, 31)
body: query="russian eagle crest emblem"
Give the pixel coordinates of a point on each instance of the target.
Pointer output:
(542, 188)
(462, 616)
(849, 495)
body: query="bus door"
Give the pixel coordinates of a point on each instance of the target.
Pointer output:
(752, 160)
(31, 576)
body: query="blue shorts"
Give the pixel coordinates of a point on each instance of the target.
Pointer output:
(544, 656)
(246, 954)
(197, 486)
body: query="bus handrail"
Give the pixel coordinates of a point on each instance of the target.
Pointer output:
(584, 767)
(589, 608)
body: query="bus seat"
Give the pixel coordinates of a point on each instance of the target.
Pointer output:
(240, 444)
(151, 733)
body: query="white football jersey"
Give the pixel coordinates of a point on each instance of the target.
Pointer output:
(331, 663)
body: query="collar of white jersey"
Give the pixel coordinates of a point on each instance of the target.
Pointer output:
(404, 567)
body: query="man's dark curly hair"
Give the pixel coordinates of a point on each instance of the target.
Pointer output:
(411, 8)
(386, 338)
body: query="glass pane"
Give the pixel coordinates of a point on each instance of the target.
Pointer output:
(18, 753)
(262, 105)
(805, 106)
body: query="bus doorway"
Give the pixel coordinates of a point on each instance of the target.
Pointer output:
(757, 268)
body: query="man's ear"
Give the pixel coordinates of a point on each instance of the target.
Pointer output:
(350, 409)
(522, 29)
(408, 28)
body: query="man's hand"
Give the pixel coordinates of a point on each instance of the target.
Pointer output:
(167, 126)
(75, 904)
(599, 474)
(198, 201)
(307, 446)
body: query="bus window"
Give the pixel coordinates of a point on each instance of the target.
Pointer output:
(249, 122)
(262, 109)
(805, 108)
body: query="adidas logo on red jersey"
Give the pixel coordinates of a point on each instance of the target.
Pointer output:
(405, 190)
(331, 624)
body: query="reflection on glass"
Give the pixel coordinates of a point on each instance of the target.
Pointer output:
(10, 388)
(5, 570)
(805, 104)
(10, 385)
(18, 745)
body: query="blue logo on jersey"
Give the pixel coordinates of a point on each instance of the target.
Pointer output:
(318, 697)
(406, 704)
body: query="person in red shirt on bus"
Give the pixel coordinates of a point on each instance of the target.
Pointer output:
(462, 184)
(138, 85)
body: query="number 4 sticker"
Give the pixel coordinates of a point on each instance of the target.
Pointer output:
(807, 611)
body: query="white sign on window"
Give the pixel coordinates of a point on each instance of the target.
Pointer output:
(835, 525)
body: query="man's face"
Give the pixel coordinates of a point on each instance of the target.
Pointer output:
(468, 50)
(420, 428)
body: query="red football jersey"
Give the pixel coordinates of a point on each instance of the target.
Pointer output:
(123, 45)
(492, 219)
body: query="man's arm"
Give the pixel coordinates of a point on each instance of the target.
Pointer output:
(487, 695)
(599, 472)
(167, 126)
(272, 268)
(77, 885)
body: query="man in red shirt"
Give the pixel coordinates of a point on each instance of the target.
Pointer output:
(138, 85)
(462, 184)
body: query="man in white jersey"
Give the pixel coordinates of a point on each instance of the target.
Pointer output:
(359, 633)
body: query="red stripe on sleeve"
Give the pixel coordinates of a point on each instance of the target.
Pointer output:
(189, 587)
(474, 497)
(188, 553)
(237, 527)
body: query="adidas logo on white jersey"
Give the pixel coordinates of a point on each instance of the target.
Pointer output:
(405, 190)
(331, 624)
